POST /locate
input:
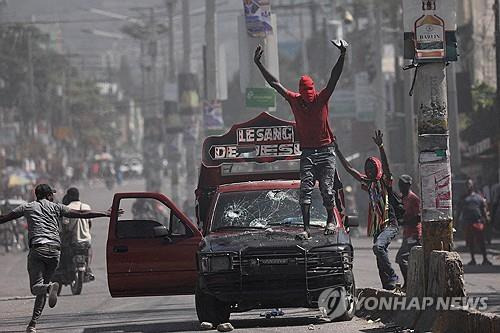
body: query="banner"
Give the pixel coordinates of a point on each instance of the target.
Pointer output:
(258, 17)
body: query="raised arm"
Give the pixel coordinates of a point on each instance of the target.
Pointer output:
(10, 216)
(337, 69)
(383, 157)
(347, 166)
(270, 78)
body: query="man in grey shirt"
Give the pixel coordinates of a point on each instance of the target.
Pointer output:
(43, 216)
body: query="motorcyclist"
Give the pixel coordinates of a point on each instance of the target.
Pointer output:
(76, 231)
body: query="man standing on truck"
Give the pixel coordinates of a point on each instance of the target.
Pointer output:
(310, 110)
(43, 216)
(382, 221)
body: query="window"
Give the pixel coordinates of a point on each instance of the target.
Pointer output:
(141, 217)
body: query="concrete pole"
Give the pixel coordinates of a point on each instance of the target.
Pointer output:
(380, 116)
(211, 51)
(171, 55)
(410, 125)
(186, 37)
(456, 158)
(496, 8)
(434, 157)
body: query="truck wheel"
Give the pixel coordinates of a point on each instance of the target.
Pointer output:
(77, 283)
(210, 309)
(351, 303)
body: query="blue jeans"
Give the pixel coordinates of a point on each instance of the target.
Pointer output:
(381, 242)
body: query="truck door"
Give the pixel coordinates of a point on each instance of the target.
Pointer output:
(151, 248)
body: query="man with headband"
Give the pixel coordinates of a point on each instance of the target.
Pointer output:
(382, 221)
(317, 162)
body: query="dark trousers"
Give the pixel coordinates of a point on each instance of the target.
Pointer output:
(403, 255)
(380, 245)
(318, 164)
(42, 263)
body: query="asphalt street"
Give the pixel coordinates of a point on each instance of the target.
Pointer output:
(96, 311)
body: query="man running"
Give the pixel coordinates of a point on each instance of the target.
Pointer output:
(382, 221)
(43, 216)
(310, 110)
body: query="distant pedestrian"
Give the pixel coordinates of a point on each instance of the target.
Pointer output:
(412, 227)
(473, 217)
(44, 241)
(382, 221)
(310, 110)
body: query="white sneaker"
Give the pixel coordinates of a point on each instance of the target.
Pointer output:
(53, 289)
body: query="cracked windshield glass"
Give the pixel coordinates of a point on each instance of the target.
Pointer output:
(264, 209)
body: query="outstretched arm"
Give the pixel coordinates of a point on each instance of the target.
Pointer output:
(337, 69)
(383, 157)
(347, 166)
(9, 217)
(85, 214)
(270, 78)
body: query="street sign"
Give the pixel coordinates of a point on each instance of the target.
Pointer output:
(260, 98)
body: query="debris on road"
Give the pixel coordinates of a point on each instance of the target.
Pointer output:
(226, 327)
(206, 326)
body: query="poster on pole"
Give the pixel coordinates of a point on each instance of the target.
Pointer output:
(436, 184)
(430, 30)
(258, 17)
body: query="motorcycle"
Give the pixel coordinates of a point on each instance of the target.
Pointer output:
(73, 268)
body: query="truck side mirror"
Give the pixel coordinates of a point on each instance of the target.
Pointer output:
(351, 221)
(160, 231)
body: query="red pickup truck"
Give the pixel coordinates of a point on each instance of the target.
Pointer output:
(241, 253)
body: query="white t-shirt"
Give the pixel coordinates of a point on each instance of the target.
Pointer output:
(79, 227)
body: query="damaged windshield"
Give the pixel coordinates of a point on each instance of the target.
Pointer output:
(266, 208)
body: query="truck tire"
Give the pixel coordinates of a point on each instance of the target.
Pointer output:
(351, 303)
(210, 309)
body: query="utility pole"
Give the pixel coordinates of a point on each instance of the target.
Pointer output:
(148, 32)
(31, 79)
(380, 116)
(456, 158)
(496, 8)
(171, 55)
(186, 37)
(189, 104)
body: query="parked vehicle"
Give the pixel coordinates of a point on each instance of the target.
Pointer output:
(242, 254)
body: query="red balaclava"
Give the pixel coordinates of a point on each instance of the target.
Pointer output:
(378, 166)
(306, 88)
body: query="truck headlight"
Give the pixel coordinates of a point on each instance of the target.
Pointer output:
(215, 263)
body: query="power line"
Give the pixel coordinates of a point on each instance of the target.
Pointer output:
(39, 22)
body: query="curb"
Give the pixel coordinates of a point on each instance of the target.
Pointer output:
(431, 320)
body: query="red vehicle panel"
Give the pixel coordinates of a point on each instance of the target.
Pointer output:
(140, 263)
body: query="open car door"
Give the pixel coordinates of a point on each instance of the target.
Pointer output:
(151, 248)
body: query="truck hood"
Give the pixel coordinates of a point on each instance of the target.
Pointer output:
(277, 237)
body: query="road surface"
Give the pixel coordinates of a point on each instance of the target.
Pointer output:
(96, 311)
